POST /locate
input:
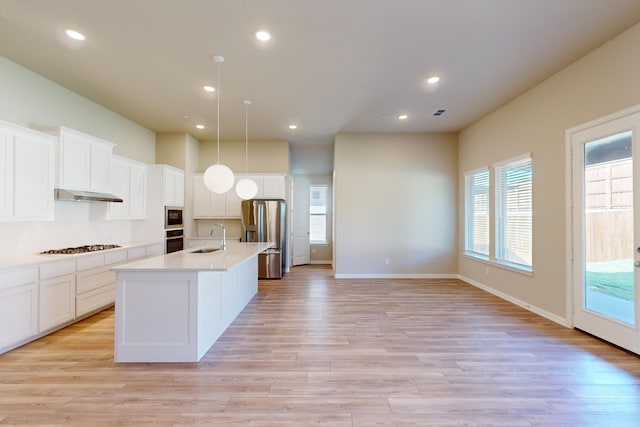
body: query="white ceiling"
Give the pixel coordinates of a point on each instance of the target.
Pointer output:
(332, 65)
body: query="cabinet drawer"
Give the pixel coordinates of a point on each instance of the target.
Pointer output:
(115, 257)
(135, 253)
(93, 279)
(95, 299)
(56, 269)
(89, 262)
(12, 278)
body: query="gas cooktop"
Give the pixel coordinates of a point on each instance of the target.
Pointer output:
(79, 249)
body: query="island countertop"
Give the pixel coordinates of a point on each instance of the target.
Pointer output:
(189, 260)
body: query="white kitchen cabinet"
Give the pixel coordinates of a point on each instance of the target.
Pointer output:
(173, 186)
(56, 294)
(129, 182)
(57, 302)
(18, 306)
(273, 187)
(207, 204)
(95, 289)
(27, 161)
(85, 161)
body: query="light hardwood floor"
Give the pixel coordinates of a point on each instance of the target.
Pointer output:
(310, 350)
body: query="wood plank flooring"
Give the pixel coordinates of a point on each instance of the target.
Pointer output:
(313, 350)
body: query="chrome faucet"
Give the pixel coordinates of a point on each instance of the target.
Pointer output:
(223, 245)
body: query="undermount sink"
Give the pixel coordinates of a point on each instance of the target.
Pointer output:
(205, 250)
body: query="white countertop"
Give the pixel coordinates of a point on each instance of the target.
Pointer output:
(36, 259)
(187, 260)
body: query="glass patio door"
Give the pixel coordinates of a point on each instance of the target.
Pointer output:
(606, 247)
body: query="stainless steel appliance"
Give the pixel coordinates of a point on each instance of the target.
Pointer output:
(265, 220)
(173, 217)
(174, 240)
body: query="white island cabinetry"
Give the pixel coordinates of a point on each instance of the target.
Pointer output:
(174, 307)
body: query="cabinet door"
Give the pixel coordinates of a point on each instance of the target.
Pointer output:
(233, 204)
(75, 162)
(273, 187)
(100, 167)
(169, 188)
(18, 306)
(137, 191)
(6, 174)
(120, 187)
(179, 196)
(57, 302)
(201, 198)
(33, 177)
(218, 207)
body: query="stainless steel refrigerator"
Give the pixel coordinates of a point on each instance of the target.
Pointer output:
(265, 220)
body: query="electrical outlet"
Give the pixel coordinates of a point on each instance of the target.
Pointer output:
(386, 261)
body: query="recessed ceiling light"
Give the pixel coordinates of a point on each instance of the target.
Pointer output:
(263, 36)
(209, 88)
(293, 127)
(403, 117)
(433, 79)
(200, 126)
(75, 35)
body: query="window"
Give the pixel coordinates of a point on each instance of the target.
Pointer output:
(513, 223)
(318, 214)
(477, 213)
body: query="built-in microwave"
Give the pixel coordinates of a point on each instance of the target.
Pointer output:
(173, 217)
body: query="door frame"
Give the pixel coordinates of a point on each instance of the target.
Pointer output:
(569, 223)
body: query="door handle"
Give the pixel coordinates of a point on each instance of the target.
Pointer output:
(637, 263)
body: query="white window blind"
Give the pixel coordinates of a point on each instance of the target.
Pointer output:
(477, 212)
(514, 195)
(318, 214)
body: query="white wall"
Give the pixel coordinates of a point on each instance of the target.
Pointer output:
(395, 198)
(605, 81)
(30, 99)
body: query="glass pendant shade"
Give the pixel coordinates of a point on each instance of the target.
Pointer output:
(218, 178)
(246, 188)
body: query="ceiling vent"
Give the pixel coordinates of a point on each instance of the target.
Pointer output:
(439, 112)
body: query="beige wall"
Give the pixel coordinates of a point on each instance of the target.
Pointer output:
(601, 83)
(171, 149)
(30, 99)
(395, 198)
(265, 156)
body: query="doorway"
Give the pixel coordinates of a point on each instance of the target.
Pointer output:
(605, 243)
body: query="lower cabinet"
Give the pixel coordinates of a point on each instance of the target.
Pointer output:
(18, 306)
(95, 289)
(57, 302)
(37, 300)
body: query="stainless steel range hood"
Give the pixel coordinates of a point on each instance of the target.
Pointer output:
(85, 196)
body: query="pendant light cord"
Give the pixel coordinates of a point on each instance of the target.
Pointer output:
(246, 136)
(218, 114)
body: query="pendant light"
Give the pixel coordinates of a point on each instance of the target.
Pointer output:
(246, 188)
(218, 178)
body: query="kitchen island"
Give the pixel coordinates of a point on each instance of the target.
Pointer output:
(173, 308)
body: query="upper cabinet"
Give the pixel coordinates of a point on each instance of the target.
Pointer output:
(85, 161)
(165, 187)
(173, 186)
(128, 181)
(207, 204)
(27, 163)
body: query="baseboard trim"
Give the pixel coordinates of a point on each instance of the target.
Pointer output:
(396, 276)
(532, 308)
(321, 262)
